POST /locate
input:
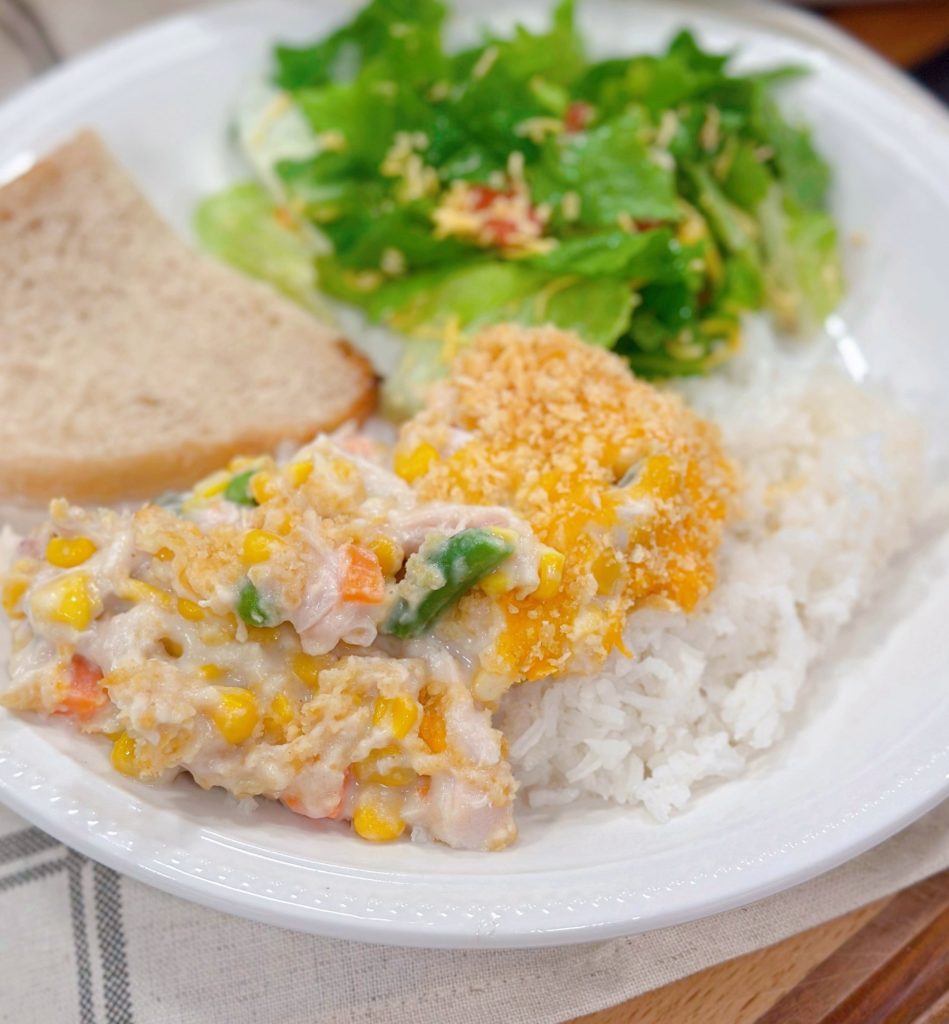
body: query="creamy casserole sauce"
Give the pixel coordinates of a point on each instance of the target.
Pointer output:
(334, 630)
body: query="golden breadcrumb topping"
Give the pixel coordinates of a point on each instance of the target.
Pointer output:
(623, 480)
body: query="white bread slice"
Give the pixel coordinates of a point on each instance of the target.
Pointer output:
(131, 363)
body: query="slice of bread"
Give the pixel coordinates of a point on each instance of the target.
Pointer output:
(129, 362)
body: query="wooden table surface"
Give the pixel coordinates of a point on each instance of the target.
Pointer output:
(887, 963)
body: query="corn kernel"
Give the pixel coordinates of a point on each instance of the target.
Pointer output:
(258, 546)
(67, 599)
(138, 590)
(123, 754)
(278, 717)
(496, 583)
(190, 610)
(172, 648)
(13, 590)
(164, 554)
(398, 714)
(236, 714)
(607, 571)
(411, 465)
(550, 571)
(210, 672)
(281, 709)
(264, 634)
(262, 487)
(506, 534)
(389, 552)
(373, 770)
(299, 472)
(489, 687)
(658, 478)
(306, 667)
(343, 468)
(432, 730)
(377, 822)
(68, 552)
(211, 485)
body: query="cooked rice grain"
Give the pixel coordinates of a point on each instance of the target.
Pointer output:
(833, 479)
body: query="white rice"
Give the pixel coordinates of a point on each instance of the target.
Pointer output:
(833, 480)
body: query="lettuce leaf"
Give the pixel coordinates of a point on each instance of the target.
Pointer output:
(644, 256)
(462, 299)
(243, 227)
(804, 174)
(612, 172)
(404, 34)
(803, 276)
(366, 113)
(673, 194)
(656, 83)
(445, 310)
(748, 179)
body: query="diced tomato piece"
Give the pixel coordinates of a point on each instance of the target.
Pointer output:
(577, 116)
(361, 577)
(85, 696)
(500, 230)
(483, 196)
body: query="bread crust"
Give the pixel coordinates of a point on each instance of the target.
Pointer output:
(101, 480)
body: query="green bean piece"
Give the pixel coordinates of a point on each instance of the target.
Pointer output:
(252, 608)
(238, 490)
(462, 559)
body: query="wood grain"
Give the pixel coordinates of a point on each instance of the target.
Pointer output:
(886, 963)
(893, 969)
(738, 991)
(905, 33)
(938, 1013)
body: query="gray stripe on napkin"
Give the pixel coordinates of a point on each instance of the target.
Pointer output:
(111, 931)
(33, 874)
(24, 844)
(77, 908)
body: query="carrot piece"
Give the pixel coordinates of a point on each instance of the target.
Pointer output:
(293, 803)
(362, 581)
(85, 696)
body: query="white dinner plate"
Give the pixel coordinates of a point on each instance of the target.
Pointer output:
(867, 753)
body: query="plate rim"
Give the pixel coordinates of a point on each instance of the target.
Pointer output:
(21, 795)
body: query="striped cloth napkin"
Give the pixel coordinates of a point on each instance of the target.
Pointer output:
(80, 943)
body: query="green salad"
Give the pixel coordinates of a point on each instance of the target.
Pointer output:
(646, 202)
